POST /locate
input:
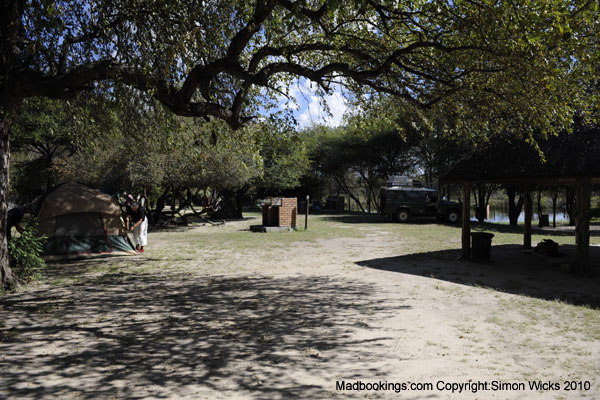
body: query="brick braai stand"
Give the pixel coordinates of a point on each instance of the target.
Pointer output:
(278, 214)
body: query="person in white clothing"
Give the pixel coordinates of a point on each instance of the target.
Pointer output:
(137, 223)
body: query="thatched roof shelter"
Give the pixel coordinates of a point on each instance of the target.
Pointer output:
(568, 159)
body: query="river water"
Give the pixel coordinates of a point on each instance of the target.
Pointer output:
(500, 215)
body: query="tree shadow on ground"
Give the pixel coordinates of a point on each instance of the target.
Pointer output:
(510, 270)
(77, 268)
(138, 336)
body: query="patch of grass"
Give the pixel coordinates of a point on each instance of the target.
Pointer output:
(63, 281)
(495, 319)
(466, 329)
(454, 289)
(319, 228)
(423, 236)
(533, 317)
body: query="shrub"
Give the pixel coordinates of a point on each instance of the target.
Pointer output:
(25, 253)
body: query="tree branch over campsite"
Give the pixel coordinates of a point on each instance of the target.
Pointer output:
(173, 51)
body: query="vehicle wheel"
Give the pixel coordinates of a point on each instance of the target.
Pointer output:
(403, 215)
(452, 216)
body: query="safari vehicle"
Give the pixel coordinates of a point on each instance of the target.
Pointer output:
(404, 198)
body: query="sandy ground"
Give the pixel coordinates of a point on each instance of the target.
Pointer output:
(294, 321)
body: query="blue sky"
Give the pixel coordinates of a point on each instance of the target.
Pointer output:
(309, 107)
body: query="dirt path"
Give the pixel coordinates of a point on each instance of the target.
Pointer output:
(287, 321)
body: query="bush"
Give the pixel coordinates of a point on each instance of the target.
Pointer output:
(25, 253)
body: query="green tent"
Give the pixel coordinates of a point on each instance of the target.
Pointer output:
(81, 221)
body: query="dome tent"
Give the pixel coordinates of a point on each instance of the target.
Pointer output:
(81, 221)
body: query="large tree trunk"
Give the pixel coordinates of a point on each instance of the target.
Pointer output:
(582, 228)
(539, 206)
(239, 203)
(554, 201)
(528, 213)
(514, 209)
(466, 223)
(5, 271)
(160, 206)
(570, 205)
(232, 203)
(482, 194)
(7, 114)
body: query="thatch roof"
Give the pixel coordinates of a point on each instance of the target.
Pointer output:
(568, 156)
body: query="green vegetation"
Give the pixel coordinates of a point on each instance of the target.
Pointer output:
(340, 163)
(25, 252)
(145, 149)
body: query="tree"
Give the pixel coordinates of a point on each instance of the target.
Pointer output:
(49, 130)
(431, 137)
(515, 206)
(482, 193)
(229, 167)
(167, 157)
(125, 146)
(554, 192)
(40, 133)
(285, 160)
(570, 204)
(359, 159)
(210, 59)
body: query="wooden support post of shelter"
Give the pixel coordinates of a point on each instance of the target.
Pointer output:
(466, 222)
(571, 159)
(528, 215)
(582, 228)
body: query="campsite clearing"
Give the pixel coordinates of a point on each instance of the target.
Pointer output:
(220, 312)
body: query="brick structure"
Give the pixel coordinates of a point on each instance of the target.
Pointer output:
(280, 211)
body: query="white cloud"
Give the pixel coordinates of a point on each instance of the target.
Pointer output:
(337, 106)
(314, 108)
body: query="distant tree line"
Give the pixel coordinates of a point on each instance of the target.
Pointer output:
(139, 147)
(204, 166)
